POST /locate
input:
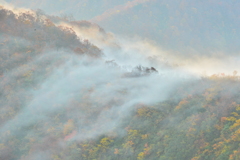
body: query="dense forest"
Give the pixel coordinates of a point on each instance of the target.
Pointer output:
(62, 98)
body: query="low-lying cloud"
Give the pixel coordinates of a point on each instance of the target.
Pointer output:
(54, 90)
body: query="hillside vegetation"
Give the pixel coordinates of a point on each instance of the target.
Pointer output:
(60, 100)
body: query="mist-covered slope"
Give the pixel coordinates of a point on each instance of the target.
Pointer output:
(185, 26)
(70, 90)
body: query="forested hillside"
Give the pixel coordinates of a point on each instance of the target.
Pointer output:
(64, 98)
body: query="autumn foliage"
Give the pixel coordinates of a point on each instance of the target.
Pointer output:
(198, 121)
